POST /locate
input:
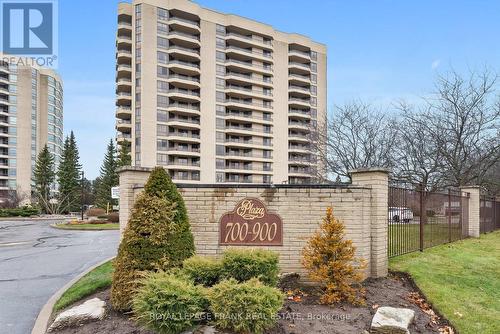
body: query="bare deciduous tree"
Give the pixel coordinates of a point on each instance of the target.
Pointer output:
(356, 136)
(462, 118)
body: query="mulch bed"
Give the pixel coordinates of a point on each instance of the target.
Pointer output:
(302, 313)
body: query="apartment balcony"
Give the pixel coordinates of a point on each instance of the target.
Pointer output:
(4, 79)
(242, 79)
(182, 137)
(299, 137)
(184, 165)
(184, 94)
(123, 56)
(123, 41)
(4, 89)
(183, 52)
(299, 180)
(123, 71)
(247, 156)
(299, 148)
(183, 151)
(249, 66)
(182, 38)
(122, 24)
(299, 113)
(184, 81)
(249, 40)
(123, 85)
(241, 143)
(301, 171)
(124, 98)
(299, 91)
(4, 69)
(299, 56)
(305, 126)
(4, 101)
(254, 118)
(301, 161)
(122, 137)
(240, 92)
(245, 169)
(123, 112)
(246, 131)
(184, 67)
(124, 125)
(183, 108)
(298, 102)
(248, 105)
(186, 124)
(248, 53)
(299, 68)
(184, 24)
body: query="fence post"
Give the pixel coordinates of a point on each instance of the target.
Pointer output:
(378, 180)
(474, 210)
(421, 220)
(449, 215)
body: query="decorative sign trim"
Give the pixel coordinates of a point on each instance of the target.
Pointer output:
(251, 224)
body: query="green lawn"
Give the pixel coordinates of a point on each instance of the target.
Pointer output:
(461, 279)
(405, 238)
(97, 279)
(106, 226)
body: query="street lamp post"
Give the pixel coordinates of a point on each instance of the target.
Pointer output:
(83, 188)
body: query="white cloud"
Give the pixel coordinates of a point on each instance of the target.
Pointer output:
(435, 64)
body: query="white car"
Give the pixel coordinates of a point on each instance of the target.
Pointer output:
(400, 214)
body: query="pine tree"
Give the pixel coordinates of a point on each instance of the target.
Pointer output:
(68, 174)
(44, 176)
(329, 259)
(108, 177)
(124, 157)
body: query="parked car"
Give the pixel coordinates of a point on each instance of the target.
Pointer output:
(400, 214)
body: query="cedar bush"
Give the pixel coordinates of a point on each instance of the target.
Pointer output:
(248, 307)
(203, 270)
(114, 217)
(168, 304)
(330, 260)
(156, 238)
(244, 264)
(24, 211)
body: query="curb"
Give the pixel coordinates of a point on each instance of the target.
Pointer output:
(42, 320)
(81, 229)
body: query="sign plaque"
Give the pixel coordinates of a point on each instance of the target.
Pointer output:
(251, 224)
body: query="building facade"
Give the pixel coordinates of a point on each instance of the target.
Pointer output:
(217, 98)
(31, 115)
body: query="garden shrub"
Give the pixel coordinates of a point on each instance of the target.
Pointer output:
(203, 270)
(329, 259)
(114, 217)
(168, 304)
(155, 238)
(24, 211)
(248, 307)
(244, 264)
(95, 212)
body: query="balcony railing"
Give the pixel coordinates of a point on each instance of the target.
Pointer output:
(181, 48)
(294, 63)
(263, 118)
(247, 142)
(125, 37)
(301, 77)
(247, 155)
(184, 163)
(303, 53)
(248, 77)
(267, 93)
(184, 106)
(184, 63)
(124, 121)
(304, 89)
(245, 63)
(295, 99)
(183, 34)
(183, 149)
(299, 147)
(251, 38)
(232, 47)
(183, 77)
(299, 111)
(176, 18)
(183, 134)
(231, 100)
(182, 120)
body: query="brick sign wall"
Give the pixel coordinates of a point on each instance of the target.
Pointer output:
(279, 218)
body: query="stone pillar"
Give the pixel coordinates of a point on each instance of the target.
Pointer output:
(378, 180)
(474, 205)
(130, 179)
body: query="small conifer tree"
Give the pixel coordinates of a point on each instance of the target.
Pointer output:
(157, 237)
(330, 260)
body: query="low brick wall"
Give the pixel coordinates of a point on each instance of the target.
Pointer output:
(362, 207)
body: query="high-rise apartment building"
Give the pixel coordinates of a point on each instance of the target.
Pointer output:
(31, 115)
(215, 97)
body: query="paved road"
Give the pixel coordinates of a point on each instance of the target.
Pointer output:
(36, 261)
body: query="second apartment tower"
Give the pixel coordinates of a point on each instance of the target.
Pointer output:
(217, 98)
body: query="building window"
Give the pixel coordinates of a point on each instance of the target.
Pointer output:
(221, 69)
(221, 96)
(220, 110)
(314, 67)
(220, 123)
(314, 78)
(162, 145)
(162, 28)
(220, 29)
(161, 116)
(221, 83)
(162, 159)
(220, 149)
(221, 56)
(162, 57)
(220, 43)
(162, 101)
(314, 55)
(219, 177)
(314, 90)
(161, 130)
(162, 43)
(162, 71)
(162, 14)
(162, 86)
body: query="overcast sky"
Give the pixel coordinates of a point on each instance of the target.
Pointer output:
(378, 51)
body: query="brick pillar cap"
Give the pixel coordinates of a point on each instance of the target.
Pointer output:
(133, 168)
(369, 170)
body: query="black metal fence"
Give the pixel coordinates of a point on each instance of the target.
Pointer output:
(489, 214)
(418, 219)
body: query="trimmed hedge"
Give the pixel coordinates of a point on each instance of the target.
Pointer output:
(168, 304)
(244, 264)
(248, 307)
(25, 211)
(203, 270)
